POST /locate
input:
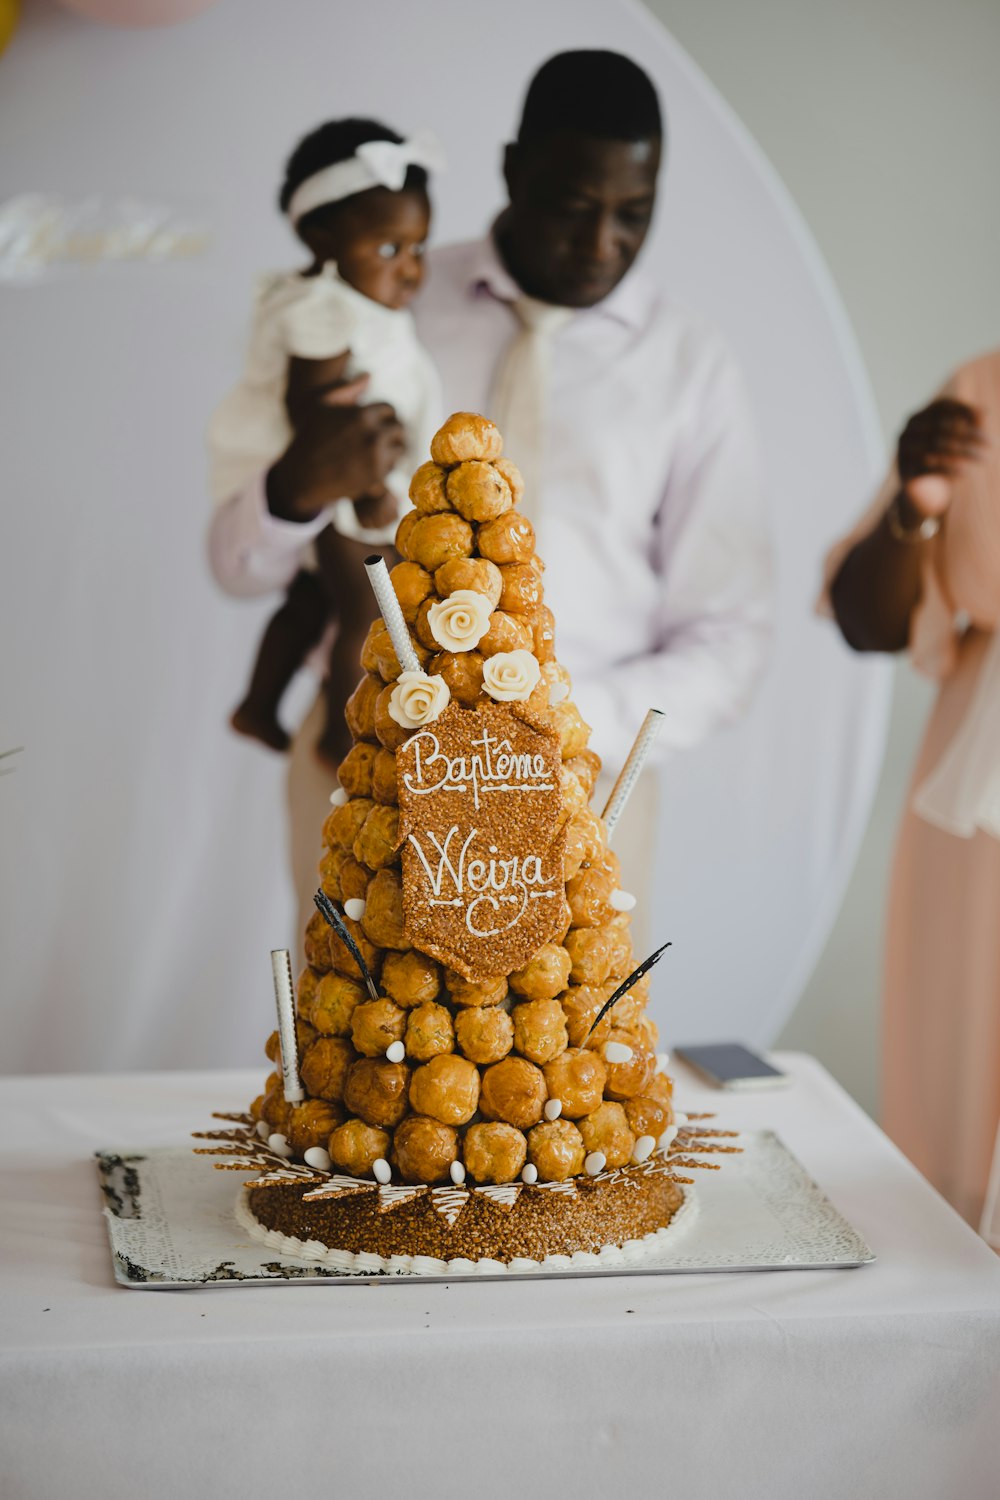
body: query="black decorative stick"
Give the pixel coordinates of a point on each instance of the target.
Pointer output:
(336, 921)
(625, 986)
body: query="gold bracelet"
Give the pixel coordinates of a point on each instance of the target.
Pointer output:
(910, 535)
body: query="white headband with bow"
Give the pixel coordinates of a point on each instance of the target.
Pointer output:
(374, 164)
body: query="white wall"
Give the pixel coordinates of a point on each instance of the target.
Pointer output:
(883, 118)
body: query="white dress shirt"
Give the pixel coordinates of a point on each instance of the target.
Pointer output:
(649, 517)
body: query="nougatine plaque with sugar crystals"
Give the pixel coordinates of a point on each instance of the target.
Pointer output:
(483, 835)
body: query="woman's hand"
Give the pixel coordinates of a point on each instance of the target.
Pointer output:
(934, 447)
(879, 582)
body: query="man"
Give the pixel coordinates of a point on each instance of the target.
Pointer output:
(627, 417)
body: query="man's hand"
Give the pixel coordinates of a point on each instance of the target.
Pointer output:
(379, 508)
(339, 450)
(935, 446)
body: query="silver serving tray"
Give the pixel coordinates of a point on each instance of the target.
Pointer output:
(171, 1224)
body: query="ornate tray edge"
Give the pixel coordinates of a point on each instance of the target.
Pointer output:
(120, 1181)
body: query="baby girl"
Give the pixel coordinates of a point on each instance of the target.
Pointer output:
(356, 195)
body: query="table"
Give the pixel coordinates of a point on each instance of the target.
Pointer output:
(877, 1382)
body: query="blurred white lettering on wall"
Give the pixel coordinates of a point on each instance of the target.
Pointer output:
(41, 234)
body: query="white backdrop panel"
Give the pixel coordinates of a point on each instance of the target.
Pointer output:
(141, 845)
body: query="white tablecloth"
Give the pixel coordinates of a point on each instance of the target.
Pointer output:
(878, 1382)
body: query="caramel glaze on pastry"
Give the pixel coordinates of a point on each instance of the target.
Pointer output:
(411, 978)
(476, 573)
(556, 1149)
(539, 1030)
(463, 672)
(484, 1033)
(310, 1124)
(494, 1152)
(430, 1031)
(506, 633)
(424, 1149)
(325, 1065)
(514, 1092)
(478, 491)
(447, 1089)
(384, 778)
(355, 1147)
(434, 540)
(412, 584)
(375, 1025)
(576, 1078)
(466, 436)
(355, 770)
(427, 489)
(333, 1004)
(376, 1091)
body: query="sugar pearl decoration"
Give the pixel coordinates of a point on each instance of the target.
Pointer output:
(355, 908)
(382, 1170)
(617, 1052)
(319, 1158)
(553, 1109)
(529, 1174)
(643, 1148)
(457, 1172)
(338, 798)
(594, 1163)
(558, 693)
(279, 1144)
(662, 1061)
(263, 1129)
(680, 1118)
(667, 1138)
(395, 1052)
(621, 900)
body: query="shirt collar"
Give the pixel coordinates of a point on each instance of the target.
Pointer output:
(629, 303)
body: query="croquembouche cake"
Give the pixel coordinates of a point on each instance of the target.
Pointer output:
(466, 1075)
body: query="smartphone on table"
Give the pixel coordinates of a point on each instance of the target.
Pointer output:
(730, 1065)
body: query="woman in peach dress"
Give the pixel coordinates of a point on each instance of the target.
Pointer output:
(921, 573)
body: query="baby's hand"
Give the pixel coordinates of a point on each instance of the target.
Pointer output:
(377, 508)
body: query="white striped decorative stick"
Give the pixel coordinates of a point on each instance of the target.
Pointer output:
(630, 771)
(378, 577)
(284, 998)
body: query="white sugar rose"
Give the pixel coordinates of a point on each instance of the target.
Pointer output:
(418, 699)
(459, 622)
(511, 676)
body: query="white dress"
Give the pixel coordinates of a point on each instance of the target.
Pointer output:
(319, 317)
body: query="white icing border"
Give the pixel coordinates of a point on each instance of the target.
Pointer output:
(631, 1253)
